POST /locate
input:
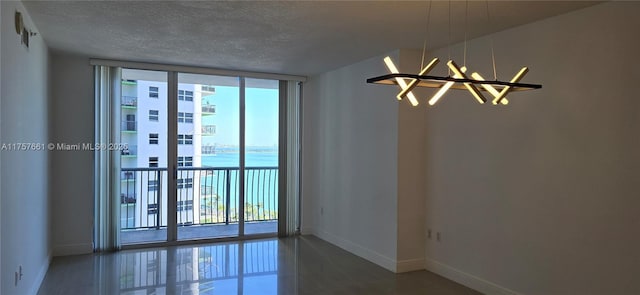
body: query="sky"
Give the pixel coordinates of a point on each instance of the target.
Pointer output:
(261, 116)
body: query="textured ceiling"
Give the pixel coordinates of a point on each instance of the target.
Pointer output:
(300, 38)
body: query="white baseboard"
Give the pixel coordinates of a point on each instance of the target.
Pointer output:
(356, 249)
(72, 249)
(410, 265)
(466, 279)
(40, 275)
(307, 231)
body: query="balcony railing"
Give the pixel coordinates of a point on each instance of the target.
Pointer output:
(207, 195)
(129, 101)
(129, 82)
(208, 130)
(208, 149)
(129, 126)
(129, 150)
(208, 90)
(208, 109)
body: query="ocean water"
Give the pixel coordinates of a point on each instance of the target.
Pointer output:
(233, 160)
(261, 184)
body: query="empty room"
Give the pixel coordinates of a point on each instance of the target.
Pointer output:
(319, 147)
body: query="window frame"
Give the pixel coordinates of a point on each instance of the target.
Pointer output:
(154, 117)
(154, 92)
(185, 117)
(154, 138)
(154, 162)
(185, 161)
(184, 183)
(185, 95)
(185, 139)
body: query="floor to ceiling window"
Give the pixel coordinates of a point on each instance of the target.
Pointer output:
(201, 156)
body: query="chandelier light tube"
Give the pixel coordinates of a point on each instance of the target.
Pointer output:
(506, 89)
(472, 88)
(392, 68)
(414, 82)
(489, 87)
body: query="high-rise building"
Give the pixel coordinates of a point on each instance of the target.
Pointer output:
(144, 164)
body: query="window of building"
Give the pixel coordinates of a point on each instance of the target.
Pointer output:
(130, 123)
(185, 183)
(153, 162)
(154, 115)
(185, 139)
(185, 117)
(153, 138)
(152, 185)
(152, 209)
(185, 95)
(153, 92)
(185, 161)
(185, 205)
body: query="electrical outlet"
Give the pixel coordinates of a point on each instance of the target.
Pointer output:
(20, 273)
(438, 236)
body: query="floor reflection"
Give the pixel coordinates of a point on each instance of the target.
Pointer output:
(297, 265)
(249, 267)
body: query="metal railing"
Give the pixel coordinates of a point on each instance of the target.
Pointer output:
(208, 130)
(129, 101)
(210, 109)
(146, 210)
(129, 150)
(208, 149)
(207, 195)
(208, 88)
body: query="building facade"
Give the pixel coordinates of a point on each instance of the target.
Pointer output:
(144, 164)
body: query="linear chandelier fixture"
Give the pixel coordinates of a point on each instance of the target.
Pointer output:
(457, 78)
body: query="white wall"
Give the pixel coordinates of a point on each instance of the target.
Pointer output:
(541, 196)
(411, 170)
(1, 18)
(25, 183)
(72, 122)
(350, 162)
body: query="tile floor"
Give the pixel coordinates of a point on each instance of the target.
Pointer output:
(298, 265)
(197, 232)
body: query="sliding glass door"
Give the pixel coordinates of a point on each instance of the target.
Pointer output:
(208, 159)
(143, 164)
(224, 174)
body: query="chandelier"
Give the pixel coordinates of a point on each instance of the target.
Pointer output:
(457, 78)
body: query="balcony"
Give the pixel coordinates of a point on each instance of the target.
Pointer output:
(129, 82)
(128, 126)
(208, 149)
(130, 102)
(207, 204)
(208, 109)
(129, 151)
(208, 90)
(208, 130)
